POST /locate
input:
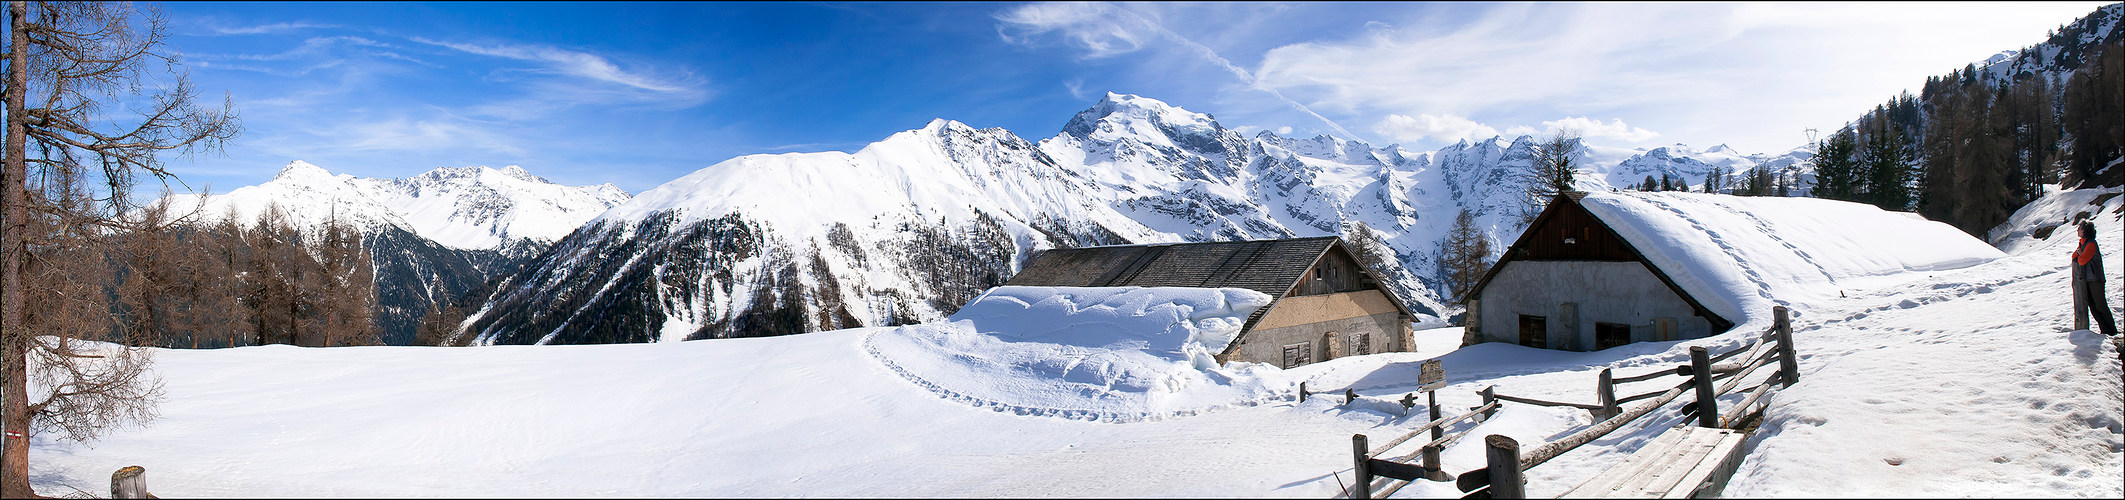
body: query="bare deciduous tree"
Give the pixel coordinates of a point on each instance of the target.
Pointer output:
(67, 63)
(1555, 165)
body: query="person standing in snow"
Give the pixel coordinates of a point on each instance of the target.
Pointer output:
(2088, 281)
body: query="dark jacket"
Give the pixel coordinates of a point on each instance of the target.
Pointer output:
(2087, 262)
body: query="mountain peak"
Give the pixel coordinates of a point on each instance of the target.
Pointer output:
(1146, 120)
(299, 170)
(519, 173)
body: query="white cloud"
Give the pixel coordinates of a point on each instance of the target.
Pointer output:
(270, 28)
(571, 63)
(1592, 128)
(1753, 75)
(1087, 26)
(1432, 127)
(1104, 30)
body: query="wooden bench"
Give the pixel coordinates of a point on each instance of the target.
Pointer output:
(1684, 462)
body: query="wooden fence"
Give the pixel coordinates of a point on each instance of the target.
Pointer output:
(1707, 376)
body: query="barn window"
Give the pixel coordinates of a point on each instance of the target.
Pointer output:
(1534, 331)
(1608, 335)
(1359, 343)
(1298, 354)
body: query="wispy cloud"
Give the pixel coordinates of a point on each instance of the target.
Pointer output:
(1089, 27)
(273, 28)
(1104, 30)
(580, 64)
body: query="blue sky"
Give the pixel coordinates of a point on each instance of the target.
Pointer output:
(637, 94)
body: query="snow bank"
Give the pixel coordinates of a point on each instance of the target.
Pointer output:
(1740, 256)
(2018, 234)
(1110, 354)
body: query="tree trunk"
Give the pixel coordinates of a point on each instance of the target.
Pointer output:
(14, 458)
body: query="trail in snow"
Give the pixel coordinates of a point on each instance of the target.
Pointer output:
(1763, 288)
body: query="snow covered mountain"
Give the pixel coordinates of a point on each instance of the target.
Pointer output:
(2061, 54)
(434, 236)
(1694, 167)
(911, 227)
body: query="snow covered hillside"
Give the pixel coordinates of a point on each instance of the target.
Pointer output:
(434, 236)
(1961, 382)
(911, 227)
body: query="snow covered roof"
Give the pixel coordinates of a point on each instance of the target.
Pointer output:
(1272, 267)
(1739, 256)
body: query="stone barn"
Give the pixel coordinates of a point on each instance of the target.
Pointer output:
(1570, 282)
(1325, 304)
(1600, 270)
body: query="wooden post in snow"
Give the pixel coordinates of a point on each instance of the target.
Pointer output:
(1489, 394)
(1358, 450)
(1431, 453)
(1503, 456)
(1606, 391)
(1788, 366)
(1701, 376)
(129, 482)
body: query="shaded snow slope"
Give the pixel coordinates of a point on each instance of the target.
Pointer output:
(1739, 256)
(1113, 354)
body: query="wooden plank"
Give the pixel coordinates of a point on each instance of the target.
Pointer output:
(1711, 474)
(1697, 444)
(1653, 469)
(1681, 462)
(1609, 481)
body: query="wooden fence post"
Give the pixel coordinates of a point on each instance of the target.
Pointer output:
(1701, 375)
(1431, 453)
(1358, 451)
(129, 482)
(1788, 366)
(1349, 395)
(1607, 392)
(1489, 394)
(1503, 455)
(1302, 392)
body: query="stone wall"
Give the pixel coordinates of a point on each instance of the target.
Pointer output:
(1310, 319)
(1574, 295)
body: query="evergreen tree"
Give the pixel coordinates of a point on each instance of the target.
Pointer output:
(1837, 168)
(1886, 165)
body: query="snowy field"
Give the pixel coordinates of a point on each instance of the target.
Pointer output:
(1963, 382)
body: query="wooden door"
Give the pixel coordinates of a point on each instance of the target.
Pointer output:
(1534, 331)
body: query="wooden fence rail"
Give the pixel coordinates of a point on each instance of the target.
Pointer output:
(1708, 376)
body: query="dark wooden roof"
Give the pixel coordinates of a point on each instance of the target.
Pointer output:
(1267, 266)
(1592, 240)
(1272, 267)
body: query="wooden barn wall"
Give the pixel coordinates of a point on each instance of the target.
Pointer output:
(1336, 273)
(1589, 239)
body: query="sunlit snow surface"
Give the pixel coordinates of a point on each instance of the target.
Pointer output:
(1113, 354)
(1958, 382)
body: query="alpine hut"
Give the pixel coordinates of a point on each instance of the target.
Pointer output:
(1325, 305)
(1599, 270)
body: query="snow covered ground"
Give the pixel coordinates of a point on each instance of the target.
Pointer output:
(1962, 382)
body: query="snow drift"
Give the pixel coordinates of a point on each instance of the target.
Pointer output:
(1110, 354)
